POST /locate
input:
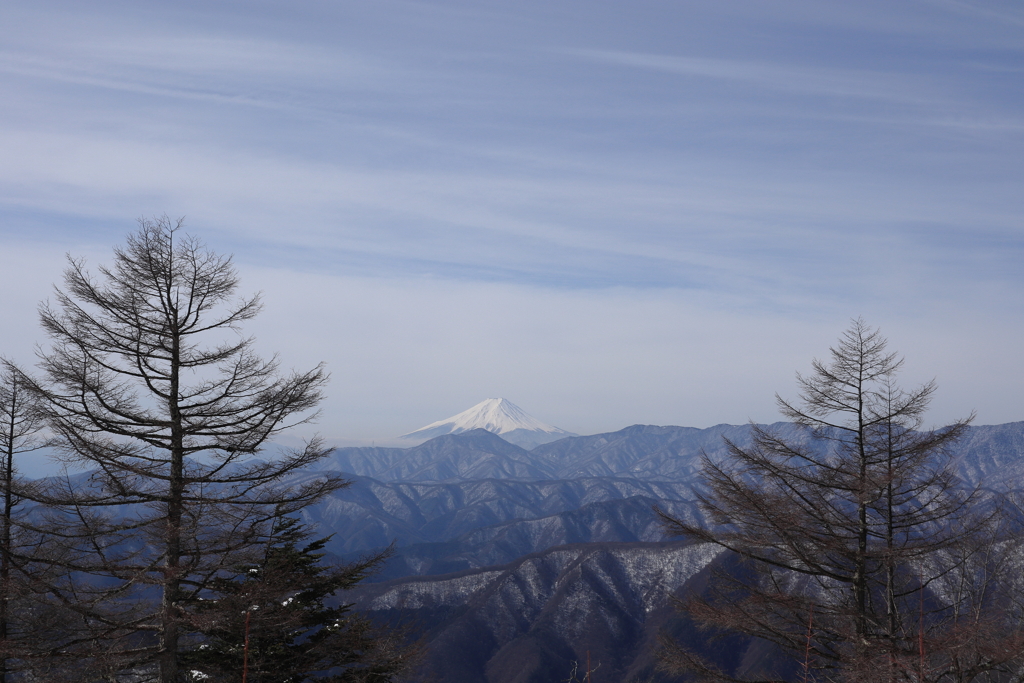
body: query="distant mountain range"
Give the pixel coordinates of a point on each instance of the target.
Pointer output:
(513, 563)
(516, 562)
(498, 416)
(467, 500)
(640, 452)
(448, 526)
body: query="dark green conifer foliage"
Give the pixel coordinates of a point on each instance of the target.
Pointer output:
(298, 628)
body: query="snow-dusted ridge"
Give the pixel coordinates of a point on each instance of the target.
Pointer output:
(498, 416)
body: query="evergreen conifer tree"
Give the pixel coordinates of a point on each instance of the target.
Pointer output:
(281, 620)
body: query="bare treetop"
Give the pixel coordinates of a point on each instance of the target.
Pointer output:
(128, 348)
(850, 531)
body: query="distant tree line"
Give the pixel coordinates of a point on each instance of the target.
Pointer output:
(170, 551)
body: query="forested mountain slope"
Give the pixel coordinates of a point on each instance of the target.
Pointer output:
(529, 620)
(448, 526)
(466, 500)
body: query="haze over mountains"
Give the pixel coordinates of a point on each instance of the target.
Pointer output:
(640, 451)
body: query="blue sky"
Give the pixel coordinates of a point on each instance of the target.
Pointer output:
(609, 213)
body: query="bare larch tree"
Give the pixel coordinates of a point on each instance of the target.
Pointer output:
(149, 385)
(20, 435)
(847, 523)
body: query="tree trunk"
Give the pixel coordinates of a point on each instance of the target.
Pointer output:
(175, 494)
(5, 530)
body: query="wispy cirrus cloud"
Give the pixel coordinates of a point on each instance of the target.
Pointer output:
(909, 89)
(219, 70)
(618, 198)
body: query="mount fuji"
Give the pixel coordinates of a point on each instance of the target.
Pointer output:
(498, 416)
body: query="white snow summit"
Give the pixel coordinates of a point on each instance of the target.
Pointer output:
(498, 416)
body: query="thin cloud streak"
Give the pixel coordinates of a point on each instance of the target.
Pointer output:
(816, 81)
(66, 74)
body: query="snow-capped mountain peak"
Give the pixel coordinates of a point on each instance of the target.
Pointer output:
(498, 416)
